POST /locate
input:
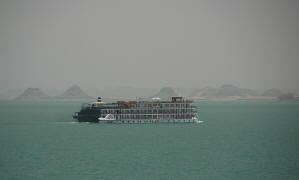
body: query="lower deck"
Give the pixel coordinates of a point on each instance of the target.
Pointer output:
(149, 121)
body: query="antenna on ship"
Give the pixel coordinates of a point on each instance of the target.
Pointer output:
(99, 99)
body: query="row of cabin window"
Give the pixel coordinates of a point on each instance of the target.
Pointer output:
(150, 121)
(149, 111)
(163, 105)
(153, 116)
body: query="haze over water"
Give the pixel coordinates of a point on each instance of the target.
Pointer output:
(151, 44)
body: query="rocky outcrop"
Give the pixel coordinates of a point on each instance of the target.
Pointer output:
(225, 92)
(165, 93)
(287, 97)
(74, 92)
(32, 94)
(272, 92)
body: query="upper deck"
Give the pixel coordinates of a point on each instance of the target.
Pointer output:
(174, 102)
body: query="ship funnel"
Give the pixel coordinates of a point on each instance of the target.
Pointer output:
(99, 99)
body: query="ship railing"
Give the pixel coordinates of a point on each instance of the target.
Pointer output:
(129, 109)
(154, 116)
(183, 111)
(157, 120)
(152, 113)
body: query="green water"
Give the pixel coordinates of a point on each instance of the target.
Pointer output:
(237, 140)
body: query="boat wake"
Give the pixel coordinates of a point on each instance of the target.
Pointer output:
(69, 122)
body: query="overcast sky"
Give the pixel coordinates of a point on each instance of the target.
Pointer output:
(149, 43)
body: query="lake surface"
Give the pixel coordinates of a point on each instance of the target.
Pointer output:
(237, 140)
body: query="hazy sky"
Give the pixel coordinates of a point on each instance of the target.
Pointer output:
(149, 43)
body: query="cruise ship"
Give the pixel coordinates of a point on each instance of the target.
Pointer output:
(155, 110)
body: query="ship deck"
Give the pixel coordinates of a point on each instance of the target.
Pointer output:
(149, 121)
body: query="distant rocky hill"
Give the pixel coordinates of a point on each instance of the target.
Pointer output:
(10, 94)
(272, 92)
(226, 91)
(32, 94)
(231, 90)
(287, 97)
(126, 92)
(165, 93)
(203, 92)
(74, 92)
